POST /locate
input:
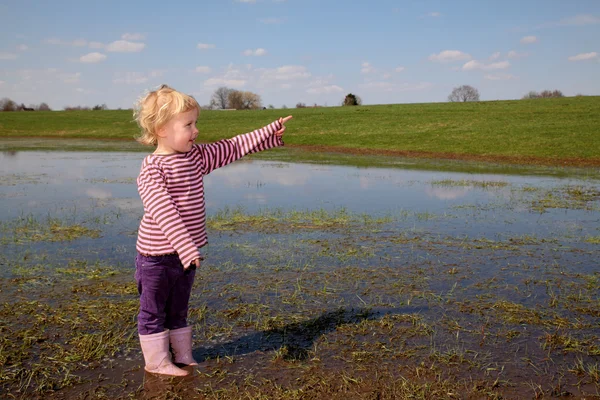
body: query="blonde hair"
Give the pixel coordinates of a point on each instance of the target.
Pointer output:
(156, 108)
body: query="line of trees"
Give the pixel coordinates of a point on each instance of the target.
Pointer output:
(469, 93)
(546, 94)
(225, 98)
(7, 104)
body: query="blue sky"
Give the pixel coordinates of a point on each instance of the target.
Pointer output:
(289, 51)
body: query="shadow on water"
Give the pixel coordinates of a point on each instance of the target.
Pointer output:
(297, 338)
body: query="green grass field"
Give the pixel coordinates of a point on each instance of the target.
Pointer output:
(541, 131)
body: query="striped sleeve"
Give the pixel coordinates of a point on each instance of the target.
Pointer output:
(159, 205)
(223, 152)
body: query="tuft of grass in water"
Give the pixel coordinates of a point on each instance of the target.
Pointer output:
(470, 183)
(29, 229)
(568, 197)
(277, 219)
(593, 239)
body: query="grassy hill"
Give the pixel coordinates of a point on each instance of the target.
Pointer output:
(556, 131)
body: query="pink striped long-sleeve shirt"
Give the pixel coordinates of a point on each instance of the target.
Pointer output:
(172, 191)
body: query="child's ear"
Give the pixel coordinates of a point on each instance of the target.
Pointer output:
(161, 132)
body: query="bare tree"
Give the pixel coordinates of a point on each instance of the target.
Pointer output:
(464, 93)
(7, 104)
(220, 98)
(244, 100)
(251, 101)
(44, 107)
(531, 95)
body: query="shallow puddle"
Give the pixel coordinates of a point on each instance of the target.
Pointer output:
(339, 280)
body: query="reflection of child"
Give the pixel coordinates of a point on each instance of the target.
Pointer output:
(173, 226)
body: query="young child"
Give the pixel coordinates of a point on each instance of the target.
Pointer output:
(173, 226)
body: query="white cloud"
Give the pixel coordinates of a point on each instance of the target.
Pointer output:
(272, 20)
(584, 56)
(22, 47)
(74, 43)
(394, 87)
(131, 78)
(225, 82)
(473, 65)
(246, 1)
(205, 46)
(156, 73)
(8, 56)
(257, 53)
(92, 58)
(495, 56)
(580, 20)
(499, 77)
(203, 69)
(70, 78)
(325, 89)
(399, 69)
(449, 56)
(1, 83)
(514, 54)
(366, 68)
(96, 45)
(53, 41)
(434, 14)
(136, 78)
(133, 36)
(284, 73)
(529, 39)
(123, 46)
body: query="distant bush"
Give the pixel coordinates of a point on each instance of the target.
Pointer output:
(99, 107)
(352, 100)
(76, 108)
(300, 105)
(546, 94)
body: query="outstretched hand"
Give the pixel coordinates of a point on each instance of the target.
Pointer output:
(282, 121)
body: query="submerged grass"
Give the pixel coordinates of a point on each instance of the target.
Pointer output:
(29, 229)
(324, 304)
(280, 220)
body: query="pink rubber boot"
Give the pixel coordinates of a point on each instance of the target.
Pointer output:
(157, 356)
(181, 344)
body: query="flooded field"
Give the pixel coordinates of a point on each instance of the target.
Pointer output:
(320, 281)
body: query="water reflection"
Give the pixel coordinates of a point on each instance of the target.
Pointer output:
(85, 183)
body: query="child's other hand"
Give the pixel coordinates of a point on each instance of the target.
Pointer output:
(282, 121)
(194, 264)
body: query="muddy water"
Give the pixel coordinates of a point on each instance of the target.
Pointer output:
(485, 262)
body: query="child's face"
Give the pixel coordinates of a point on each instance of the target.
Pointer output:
(178, 134)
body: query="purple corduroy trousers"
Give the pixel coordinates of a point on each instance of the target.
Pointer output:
(164, 290)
